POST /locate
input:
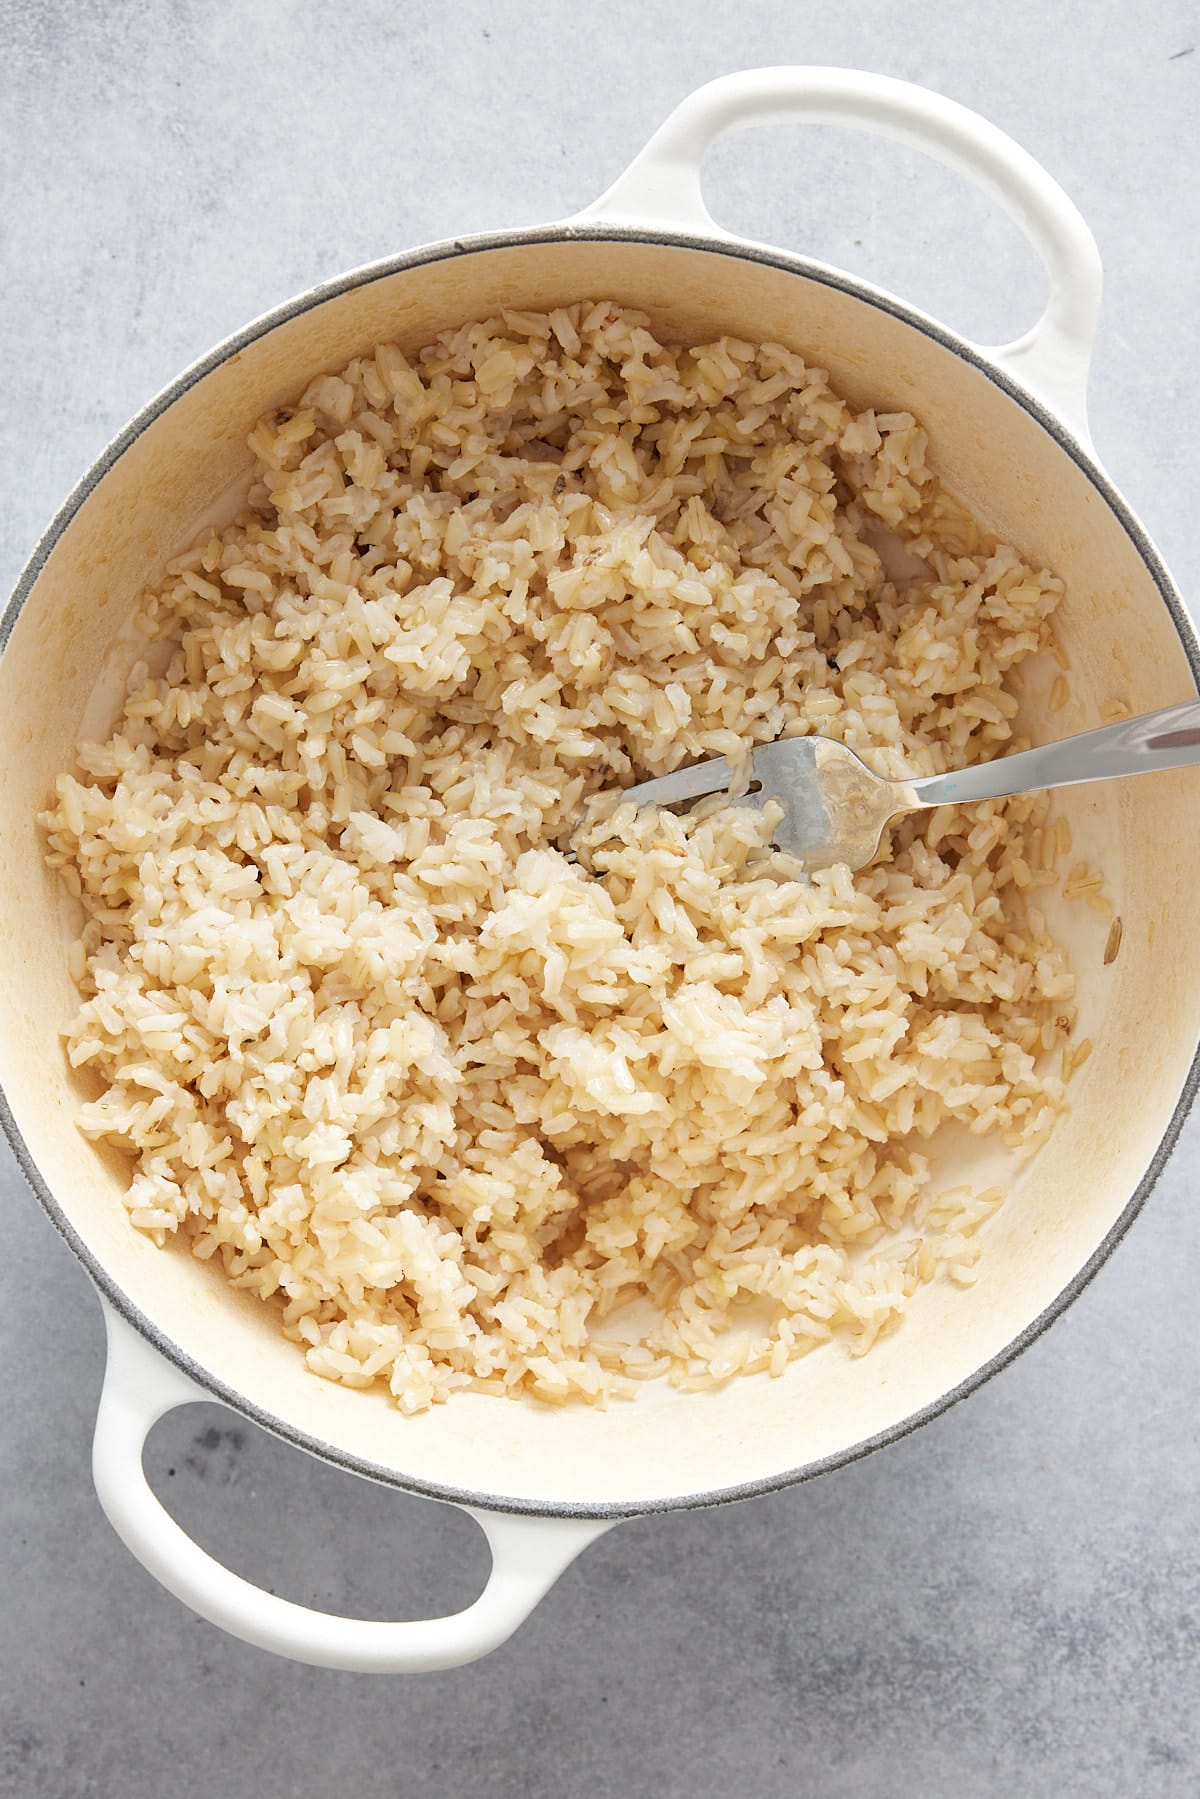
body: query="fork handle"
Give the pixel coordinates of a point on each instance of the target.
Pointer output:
(1133, 746)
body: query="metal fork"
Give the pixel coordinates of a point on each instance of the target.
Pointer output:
(836, 810)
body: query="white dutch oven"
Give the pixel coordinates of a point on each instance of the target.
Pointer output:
(1009, 427)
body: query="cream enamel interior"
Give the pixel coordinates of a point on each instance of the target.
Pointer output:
(1142, 1013)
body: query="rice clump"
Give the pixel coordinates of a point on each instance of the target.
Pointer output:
(469, 1112)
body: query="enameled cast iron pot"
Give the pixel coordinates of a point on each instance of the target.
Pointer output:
(1009, 429)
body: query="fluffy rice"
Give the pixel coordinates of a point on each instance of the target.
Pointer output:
(468, 1112)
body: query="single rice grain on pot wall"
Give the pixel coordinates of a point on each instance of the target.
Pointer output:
(467, 1111)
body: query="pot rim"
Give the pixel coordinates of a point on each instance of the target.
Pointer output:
(806, 268)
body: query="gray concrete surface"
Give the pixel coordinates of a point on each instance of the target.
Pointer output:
(1007, 1603)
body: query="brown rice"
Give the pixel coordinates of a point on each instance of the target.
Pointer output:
(467, 1112)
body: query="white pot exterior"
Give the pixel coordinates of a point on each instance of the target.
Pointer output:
(1005, 450)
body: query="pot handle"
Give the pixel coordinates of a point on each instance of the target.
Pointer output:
(528, 1554)
(662, 186)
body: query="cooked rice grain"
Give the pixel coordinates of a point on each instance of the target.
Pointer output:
(453, 1103)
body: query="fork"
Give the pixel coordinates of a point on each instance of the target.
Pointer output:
(835, 809)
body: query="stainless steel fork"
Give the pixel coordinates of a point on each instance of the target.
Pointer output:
(835, 809)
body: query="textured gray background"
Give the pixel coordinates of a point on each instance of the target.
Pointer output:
(1007, 1603)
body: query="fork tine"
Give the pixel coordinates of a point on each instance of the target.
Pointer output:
(685, 784)
(834, 807)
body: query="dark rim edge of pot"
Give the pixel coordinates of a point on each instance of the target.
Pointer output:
(742, 250)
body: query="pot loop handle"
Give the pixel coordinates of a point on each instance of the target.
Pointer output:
(528, 1554)
(662, 187)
